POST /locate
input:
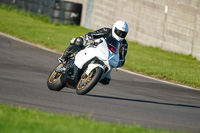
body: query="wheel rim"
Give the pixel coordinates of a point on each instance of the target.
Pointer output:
(55, 75)
(85, 79)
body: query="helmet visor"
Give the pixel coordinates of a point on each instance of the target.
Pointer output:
(120, 33)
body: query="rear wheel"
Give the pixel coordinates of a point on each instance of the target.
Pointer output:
(87, 82)
(54, 81)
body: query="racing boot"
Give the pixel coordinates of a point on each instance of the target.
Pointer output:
(106, 80)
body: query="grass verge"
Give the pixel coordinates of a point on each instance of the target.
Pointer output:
(22, 120)
(141, 59)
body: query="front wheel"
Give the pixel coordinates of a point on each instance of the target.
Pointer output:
(87, 82)
(54, 81)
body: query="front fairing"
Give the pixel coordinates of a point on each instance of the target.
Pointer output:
(101, 51)
(105, 54)
(90, 52)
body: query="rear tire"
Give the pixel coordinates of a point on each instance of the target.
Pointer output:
(87, 83)
(55, 84)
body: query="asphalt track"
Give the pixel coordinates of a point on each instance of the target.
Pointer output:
(130, 99)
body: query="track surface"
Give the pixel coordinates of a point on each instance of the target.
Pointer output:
(129, 98)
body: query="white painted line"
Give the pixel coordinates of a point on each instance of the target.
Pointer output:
(14, 38)
(185, 86)
(32, 44)
(166, 9)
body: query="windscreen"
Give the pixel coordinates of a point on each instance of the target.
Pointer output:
(112, 44)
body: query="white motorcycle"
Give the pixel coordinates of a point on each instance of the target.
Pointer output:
(87, 67)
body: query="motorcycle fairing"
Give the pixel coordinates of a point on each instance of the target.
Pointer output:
(101, 52)
(89, 58)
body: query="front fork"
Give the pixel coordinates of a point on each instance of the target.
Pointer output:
(60, 69)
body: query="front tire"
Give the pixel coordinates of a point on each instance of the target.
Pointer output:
(54, 81)
(87, 82)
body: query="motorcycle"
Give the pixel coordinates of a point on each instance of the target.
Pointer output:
(87, 67)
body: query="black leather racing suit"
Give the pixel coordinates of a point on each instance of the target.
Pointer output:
(103, 32)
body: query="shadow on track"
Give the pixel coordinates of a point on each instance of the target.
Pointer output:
(143, 101)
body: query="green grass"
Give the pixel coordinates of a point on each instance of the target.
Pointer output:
(163, 65)
(22, 120)
(141, 59)
(38, 29)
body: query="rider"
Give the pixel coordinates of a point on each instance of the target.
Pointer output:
(118, 31)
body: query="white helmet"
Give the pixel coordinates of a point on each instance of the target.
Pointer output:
(120, 30)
